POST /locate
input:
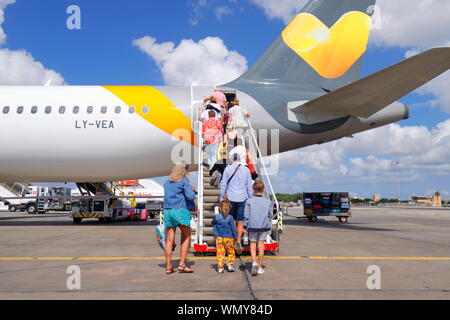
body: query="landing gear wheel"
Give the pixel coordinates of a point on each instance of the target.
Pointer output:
(31, 209)
(67, 207)
(343, 219)
(77, 220)
(312, 219)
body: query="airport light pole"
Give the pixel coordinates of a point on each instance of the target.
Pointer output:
(397, 163)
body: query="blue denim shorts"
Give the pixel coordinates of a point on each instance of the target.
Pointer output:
(238, 210)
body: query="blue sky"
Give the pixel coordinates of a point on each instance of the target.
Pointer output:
(102, 53)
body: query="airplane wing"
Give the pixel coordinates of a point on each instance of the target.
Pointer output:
(369, 95)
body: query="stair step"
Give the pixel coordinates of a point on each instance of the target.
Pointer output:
(209, 206)
(208, 186)
(211, 192)
(211, 199)
(210, 240)
(208, 214)
(207, 222)
(207, 231)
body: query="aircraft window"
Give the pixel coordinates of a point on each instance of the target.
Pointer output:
(20, 110)
(34, 109)
(131, 109)
(118, 109)
(145, 110)
(90, 109)
(48, 109)
(62, 110)
(104, 109)
(5, 110)
(76, 110)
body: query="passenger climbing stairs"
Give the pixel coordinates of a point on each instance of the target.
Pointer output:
(209, 197)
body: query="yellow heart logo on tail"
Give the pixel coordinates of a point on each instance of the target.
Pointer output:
(331, 52)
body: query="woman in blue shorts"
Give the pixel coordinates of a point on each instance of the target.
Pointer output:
(177, 192)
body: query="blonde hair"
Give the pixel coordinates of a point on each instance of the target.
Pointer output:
(225, 208)
(178, 173)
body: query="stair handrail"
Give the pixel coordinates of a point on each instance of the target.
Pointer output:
(200, 209)
(263, 165)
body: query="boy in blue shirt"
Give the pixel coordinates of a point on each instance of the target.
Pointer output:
(257, 221)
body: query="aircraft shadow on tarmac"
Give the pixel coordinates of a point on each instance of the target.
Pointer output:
(321, 223)
(49, 220)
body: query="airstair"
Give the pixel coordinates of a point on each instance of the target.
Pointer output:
(16, 189)
(208, 197)
(96, 189)
(12, 190)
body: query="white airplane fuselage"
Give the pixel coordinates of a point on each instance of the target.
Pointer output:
(44, 138)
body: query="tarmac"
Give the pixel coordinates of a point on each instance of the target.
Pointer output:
(323, 260)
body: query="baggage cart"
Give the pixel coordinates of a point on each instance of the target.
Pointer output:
(326, 204)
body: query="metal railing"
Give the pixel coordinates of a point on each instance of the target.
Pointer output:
(200, 215)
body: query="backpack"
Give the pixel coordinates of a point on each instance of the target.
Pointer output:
(215, 179)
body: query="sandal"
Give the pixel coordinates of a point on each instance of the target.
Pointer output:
(185, 269)
(170, 270)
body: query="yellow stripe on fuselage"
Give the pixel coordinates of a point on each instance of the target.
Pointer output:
(163, 114)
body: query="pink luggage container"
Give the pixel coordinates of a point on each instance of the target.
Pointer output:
(144, 215)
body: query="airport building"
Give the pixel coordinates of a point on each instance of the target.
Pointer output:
(433, 201)
(376, 198)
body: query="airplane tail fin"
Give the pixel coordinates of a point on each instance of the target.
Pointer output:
(323, 47)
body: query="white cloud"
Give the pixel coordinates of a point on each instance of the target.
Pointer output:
(196, 14)
(389, 154)
(18, 67)
(404, 23)
(438, 87)
(220, 12)
(281, 9)
(3, 5)
(419, 24)
(206, 62)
